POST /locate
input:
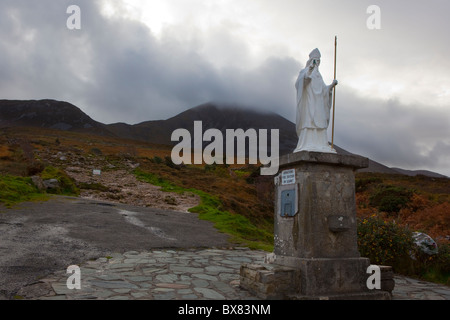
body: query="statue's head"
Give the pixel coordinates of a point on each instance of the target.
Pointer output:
(315, 54)
(314, 58)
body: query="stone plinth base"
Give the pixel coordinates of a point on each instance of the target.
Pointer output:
(269, 282)
(387, 279)
(325, 275)
(275, 282)
(315, 233)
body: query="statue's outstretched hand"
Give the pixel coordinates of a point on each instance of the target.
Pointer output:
(332, 85)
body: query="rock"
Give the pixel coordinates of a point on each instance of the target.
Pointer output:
(210, 294)
(37, 181)
(387, 279)
(134, 165)
(51, 184)
(425, 243)
(35, 290)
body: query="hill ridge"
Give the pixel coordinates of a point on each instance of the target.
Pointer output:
(68, 117)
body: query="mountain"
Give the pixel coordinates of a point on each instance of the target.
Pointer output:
(212, 116)
(373, 165)
(419, 172)
(48, 114)
(65, 116)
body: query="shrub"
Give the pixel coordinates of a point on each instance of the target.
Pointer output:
(210, 167)
(435, 268)
(254, 174)
(362, 184)
(168, 162)
(157, 160)
(35, 168)
(433, 219)
(390, 199)
(385, 243)
(96, 151)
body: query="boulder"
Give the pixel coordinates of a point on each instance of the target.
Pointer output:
(37, 181)
(425, 243)
(51, 184)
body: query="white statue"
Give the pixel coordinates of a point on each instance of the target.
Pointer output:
(313, 107)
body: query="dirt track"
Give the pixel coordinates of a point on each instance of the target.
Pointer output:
(39, 238)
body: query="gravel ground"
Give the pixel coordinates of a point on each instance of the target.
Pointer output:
(37, 239)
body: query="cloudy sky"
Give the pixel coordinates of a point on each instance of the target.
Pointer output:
(137, 60)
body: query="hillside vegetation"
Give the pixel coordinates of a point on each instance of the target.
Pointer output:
(235, 198)
(228, 196)
(420, 203)
(390, 208)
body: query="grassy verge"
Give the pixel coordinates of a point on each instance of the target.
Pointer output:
(241, 230)
(66, 184)
(14, 190)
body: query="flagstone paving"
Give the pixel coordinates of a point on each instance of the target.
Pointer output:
(183, 274)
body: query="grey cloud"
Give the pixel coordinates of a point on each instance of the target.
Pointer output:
(149, 78)
(117, 70)
(39, 50)
(408, 136)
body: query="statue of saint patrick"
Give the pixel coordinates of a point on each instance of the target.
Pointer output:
(313, 107)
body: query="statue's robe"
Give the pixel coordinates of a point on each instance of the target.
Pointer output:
(313, 112)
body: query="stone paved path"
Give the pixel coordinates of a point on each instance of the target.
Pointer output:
(183, 274)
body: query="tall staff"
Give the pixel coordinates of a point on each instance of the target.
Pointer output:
(334, 92)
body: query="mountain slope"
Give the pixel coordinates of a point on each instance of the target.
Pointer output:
(48, 114)
(212, 116)
(65, 116)
(373, 165)
(413, 173)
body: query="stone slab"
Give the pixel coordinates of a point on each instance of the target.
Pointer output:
(354, 161)
(274, 282)
(269, 282)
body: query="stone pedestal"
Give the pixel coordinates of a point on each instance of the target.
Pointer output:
(315, 233)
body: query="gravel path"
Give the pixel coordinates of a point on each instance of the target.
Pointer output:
(37, 239)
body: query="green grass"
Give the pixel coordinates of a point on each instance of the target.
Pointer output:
(435, 268)
(14, 190)
(437, 276)
(67, 184)
(241, 230)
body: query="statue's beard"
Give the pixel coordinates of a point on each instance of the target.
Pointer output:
(316, 81)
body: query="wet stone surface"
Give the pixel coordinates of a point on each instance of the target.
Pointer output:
(196, 274)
